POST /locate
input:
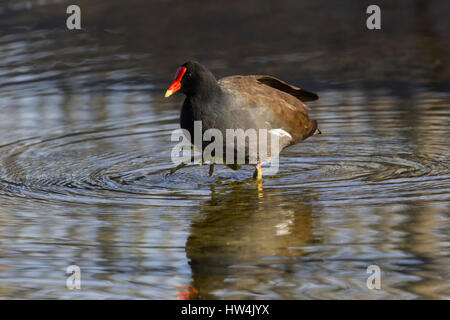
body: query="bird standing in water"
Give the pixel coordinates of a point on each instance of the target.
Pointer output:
(243, 102)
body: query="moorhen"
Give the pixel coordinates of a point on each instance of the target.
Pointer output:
(243, 102)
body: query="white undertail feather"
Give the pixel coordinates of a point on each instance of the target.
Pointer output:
(280, 132)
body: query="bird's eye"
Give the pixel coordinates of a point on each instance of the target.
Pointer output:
(188, 75)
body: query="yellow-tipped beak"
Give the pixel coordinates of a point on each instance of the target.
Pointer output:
(176, 85)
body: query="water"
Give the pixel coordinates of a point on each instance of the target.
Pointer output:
(85, 151)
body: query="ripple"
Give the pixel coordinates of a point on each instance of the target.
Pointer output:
(85, 166)
(101, 166)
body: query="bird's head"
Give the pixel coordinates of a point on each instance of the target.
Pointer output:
(190, 78)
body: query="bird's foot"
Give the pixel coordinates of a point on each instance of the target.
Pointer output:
(178, 167)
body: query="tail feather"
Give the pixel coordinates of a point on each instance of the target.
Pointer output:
(314, 128)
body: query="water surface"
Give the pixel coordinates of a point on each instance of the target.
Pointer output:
(85, 151)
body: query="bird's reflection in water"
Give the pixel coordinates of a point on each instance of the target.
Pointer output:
(241, 236)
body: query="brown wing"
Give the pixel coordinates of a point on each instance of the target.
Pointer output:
(278, 84)
(272, 100)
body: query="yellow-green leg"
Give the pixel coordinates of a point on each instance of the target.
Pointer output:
(183, 164)
(211, 169)
(178, 167)
(258, 173)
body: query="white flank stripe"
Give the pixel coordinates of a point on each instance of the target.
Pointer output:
(280, 133)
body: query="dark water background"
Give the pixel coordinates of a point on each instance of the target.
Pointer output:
(85, 148)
